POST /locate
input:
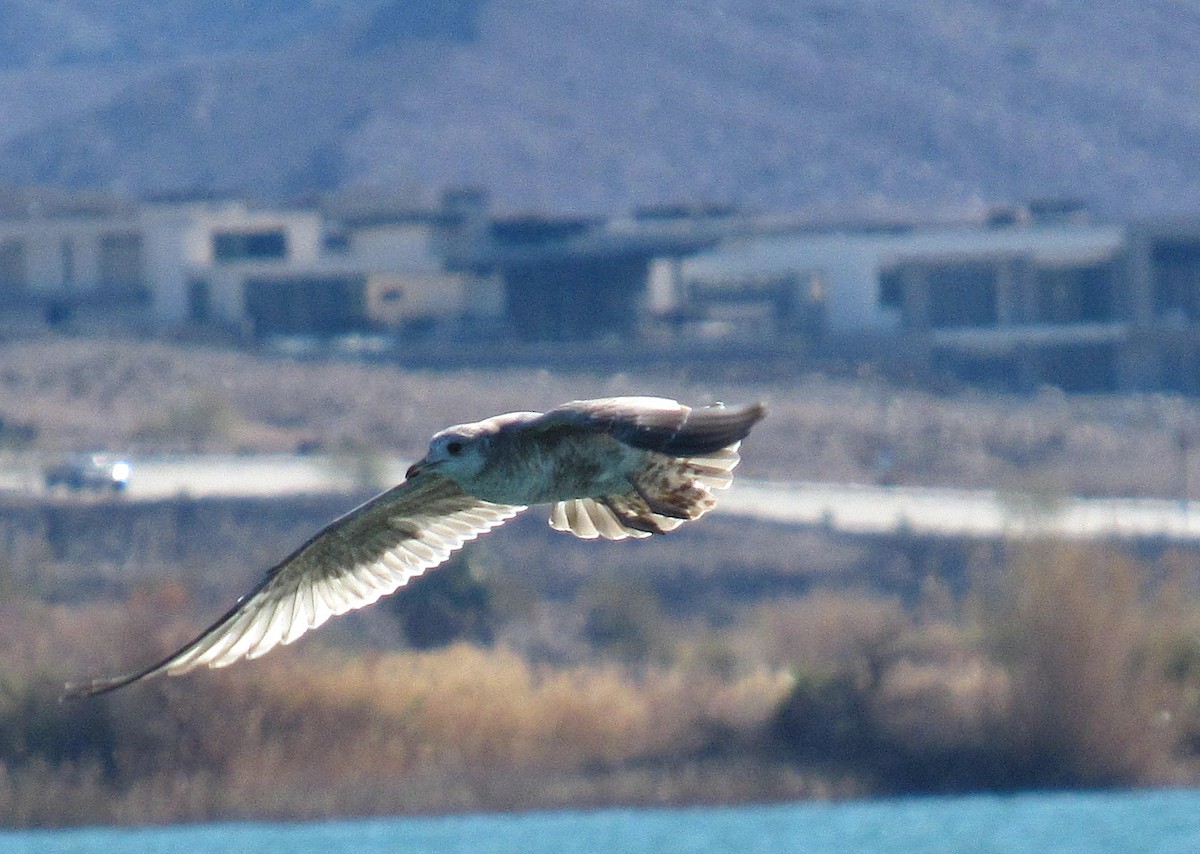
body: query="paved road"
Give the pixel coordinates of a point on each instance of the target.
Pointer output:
(868, 509)
(208, 475)
(847, 508)
(267, 474)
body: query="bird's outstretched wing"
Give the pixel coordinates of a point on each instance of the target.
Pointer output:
(352, 562)
(659, 424)
(692, 453)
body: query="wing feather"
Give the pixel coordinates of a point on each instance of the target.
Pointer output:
(352, 562)
(693, 453)
(658, 424)
(380, 546)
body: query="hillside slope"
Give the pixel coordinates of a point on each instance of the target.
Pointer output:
(572, 106)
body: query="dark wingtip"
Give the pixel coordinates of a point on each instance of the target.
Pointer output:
(74, 691)
(754, 412)
(749, 415)
(705, 430)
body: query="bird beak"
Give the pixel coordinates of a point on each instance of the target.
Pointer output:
(420, 467)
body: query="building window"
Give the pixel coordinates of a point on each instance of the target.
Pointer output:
(68, 262)
(1075, 294)
(14, 275)
(891, 288)
(336, 242)
(199, 301)
(1176, 265)
(962, 295)
(307, 305)
(266, 245)
(120, 262)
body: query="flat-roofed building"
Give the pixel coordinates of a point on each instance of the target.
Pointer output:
(1021, 303)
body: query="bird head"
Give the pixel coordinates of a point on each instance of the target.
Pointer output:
(458, 453)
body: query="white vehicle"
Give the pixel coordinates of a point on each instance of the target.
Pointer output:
(91, 472)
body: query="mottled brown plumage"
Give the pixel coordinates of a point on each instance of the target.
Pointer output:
(615, 468)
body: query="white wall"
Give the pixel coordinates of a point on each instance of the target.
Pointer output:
(851, 262)
(44, 239)
(179, 248)
(847, 264)
(400, 247)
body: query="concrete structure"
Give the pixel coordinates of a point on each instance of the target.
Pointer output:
(200, 255)
(224, 264)
(385, 274)
(1080, 305)
(56, 256)
(1034, 296)
(859, 269)
(572, 278)
(409, 289)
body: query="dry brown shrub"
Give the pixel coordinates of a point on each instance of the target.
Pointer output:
(935, 708)
(828, 630)
(308, 733)
(1091, 704)
(465, 705)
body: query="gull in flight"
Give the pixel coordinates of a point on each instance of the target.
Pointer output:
(615, 467)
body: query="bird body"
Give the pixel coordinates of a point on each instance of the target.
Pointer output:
(613, 468)
(526, 467)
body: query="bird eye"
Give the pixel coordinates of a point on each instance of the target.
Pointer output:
(454, 448)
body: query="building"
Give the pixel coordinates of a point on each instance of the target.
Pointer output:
(60, 255)
(252, 272)
(572, 278)
(1031, 297)
(1019, 301)
(297, 273)
(410, 289)
(1036, 295)
(1159, 295)
(207, 261)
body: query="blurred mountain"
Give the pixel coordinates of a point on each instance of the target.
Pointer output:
(575, 106)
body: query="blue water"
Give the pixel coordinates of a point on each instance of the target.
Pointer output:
(1160, 821)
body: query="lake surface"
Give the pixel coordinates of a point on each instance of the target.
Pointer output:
(1156, 821)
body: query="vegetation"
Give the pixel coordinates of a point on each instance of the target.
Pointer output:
(65, 394)
(1062, 669)
(1063, 666)
(734, 661)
